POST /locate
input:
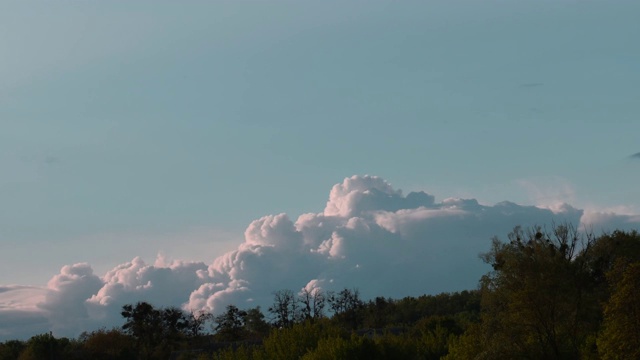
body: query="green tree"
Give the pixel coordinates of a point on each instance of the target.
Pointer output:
(46, 346)
(292, 343)
(378, 312)
(144, 324)
(618, 247)
(108, 345)
(338, 348)
(11, 349)
(157, 332)
(620, 338)
(536, 303)
(435, 333)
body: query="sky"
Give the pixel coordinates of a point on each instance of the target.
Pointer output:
(184, 152)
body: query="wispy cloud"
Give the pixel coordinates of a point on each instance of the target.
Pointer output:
(549, 191)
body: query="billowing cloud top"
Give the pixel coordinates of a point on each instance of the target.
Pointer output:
(369, 236)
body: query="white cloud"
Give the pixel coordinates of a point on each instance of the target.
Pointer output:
(369, 236)
(64, 302)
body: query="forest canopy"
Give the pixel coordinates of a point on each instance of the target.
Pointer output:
(557, 294)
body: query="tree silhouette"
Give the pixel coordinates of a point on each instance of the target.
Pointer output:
(230, 325)
(347, 307)
(284, 308)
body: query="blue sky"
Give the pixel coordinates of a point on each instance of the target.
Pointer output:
(129, 128)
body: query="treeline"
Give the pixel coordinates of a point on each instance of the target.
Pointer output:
(294, 324)
(551, 295)
(558, 295)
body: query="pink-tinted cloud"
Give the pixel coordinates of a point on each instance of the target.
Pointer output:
(369, 236)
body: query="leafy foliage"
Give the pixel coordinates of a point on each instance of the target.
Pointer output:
(46, 346)
(108, 345)
(543, 299)
(11, 349)
(550, 295)
(158, 332)
(620, 338)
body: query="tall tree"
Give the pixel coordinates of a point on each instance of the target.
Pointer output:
(196, 322)
(347, 307)
(536, 301)
(255, 324)
(144, 324)
(312, 303)
(157, 332)
(620, 338)
(229, 326)
(284, 309)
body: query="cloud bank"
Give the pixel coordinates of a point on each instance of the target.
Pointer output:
(369, 236)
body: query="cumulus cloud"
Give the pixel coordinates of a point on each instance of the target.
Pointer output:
(67, 292)
(369, 236)
(76, 299)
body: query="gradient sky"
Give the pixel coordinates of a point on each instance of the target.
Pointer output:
(132, 128)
